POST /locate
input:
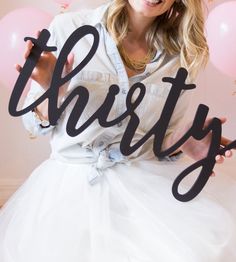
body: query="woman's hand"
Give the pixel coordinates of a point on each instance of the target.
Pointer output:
(198, 149)
(43, 71)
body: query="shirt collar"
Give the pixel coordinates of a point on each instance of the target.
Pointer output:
(97, 16)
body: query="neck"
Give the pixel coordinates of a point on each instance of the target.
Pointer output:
(138, 25)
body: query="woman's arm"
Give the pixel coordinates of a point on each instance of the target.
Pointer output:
(178, 120)
(36, 121)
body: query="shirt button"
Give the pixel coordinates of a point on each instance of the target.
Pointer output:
(123, 91)
(101, 144)
(119, 124)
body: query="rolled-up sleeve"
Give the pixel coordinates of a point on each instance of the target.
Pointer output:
(31, 123)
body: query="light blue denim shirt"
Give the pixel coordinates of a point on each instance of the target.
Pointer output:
(106, 68)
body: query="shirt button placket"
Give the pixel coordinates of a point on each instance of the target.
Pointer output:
(124, 92)
(122, 75)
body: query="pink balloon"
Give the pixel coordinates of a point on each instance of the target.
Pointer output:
(13, 28)
(221, 36)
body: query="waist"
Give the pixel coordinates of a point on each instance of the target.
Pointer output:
(88, 155)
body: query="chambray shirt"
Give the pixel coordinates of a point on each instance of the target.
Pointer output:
(105, 68)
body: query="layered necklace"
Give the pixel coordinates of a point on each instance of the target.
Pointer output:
(133, 64)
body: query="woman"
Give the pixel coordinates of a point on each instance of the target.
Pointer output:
(88, 202)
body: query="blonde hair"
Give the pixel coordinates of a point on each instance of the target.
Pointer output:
(182, 29)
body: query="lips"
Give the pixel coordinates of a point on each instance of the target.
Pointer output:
(153, 2)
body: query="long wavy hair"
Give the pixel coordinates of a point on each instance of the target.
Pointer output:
(182, 29)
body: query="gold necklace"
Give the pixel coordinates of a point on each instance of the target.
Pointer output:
(136, 65)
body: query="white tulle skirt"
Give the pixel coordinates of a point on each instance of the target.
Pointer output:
(130, 216)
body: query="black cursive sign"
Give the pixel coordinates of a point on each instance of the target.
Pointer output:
(158, 130)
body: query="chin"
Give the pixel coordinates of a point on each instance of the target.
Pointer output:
(150, 8)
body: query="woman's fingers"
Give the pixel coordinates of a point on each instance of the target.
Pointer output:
(70, 59)
(229, 153)
(223, 119)
(208, 121)
(219, 159)
(18, 67)
(29, 46)
(69, 63)
(225, 141)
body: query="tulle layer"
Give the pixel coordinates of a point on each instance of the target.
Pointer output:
(129, 216)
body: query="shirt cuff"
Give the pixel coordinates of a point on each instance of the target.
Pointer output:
(173, 157)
